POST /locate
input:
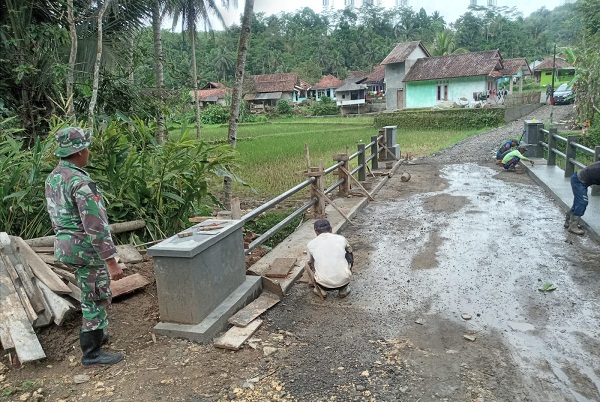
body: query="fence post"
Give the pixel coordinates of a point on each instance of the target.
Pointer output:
(343, 188)
(382, 154)
(595, 188)
(551, 145)
(571, 153)
(374, 161)
(361, 162)
(391, 143)
(316, 190)
(531, 137)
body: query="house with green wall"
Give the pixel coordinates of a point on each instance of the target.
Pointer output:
(564, 72)
(459, 78)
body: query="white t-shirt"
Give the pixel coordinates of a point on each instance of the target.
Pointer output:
(329, 253)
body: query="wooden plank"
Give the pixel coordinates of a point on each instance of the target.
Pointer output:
(61, 308)
(273, 286)
(45, 317)
(200, 219)
(129, 254)
(236, 336)
(39, 267)
(121, 227)
(16, 331)
(18, 285)
(280, 268)
(69, 276)
(75, 292)
(127, 284)
(26, 277)
(43, 250)
(253, 310)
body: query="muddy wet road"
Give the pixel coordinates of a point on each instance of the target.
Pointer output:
(456, 240)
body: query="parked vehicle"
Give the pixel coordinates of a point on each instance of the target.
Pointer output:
(564, 95)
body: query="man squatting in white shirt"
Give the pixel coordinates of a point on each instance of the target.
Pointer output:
(330, 261)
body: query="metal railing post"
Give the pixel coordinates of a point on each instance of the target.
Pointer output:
(362, 176)
(374, 161)
(571, 153)
(595, 188)
(551, 146)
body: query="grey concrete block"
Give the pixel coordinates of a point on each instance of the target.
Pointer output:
(216, 321)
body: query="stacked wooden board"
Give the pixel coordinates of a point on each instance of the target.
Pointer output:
(34, 294)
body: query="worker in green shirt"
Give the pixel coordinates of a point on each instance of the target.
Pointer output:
(514, 158)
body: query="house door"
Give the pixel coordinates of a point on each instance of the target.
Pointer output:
(400, 99)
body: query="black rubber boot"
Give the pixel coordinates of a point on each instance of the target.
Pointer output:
(105, 337)
(567, 219)
(93, 355)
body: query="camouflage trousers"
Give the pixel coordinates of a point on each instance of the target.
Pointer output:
(94, 283)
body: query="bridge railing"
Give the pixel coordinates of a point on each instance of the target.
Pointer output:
(383, 147)
(547, 143)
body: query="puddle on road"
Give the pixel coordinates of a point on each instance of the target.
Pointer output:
(483, 247)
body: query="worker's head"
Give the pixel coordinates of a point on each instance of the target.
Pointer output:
(73, 143)
(515, 142)
(322, 226)
(522, 147)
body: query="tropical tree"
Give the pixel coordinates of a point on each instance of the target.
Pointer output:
(236, 96)
(444, 44)
(190, 12)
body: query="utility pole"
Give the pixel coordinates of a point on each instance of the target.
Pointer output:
(552, 85)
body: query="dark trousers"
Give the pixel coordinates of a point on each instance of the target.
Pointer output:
(580, 201)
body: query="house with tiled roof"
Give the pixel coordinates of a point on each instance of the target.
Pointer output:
(515, 71)
(543, 71)
(327, 87)
(375, 80)
(212, 93)
(397, 63)
(461, 77)
(267, 89)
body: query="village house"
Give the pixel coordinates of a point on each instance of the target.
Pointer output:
(327, 87)
(212, 93)
(543, 71)
(351, 98)
(375, 81)
(397, 64)
(459, 78)
(264, 91)
(515, 70)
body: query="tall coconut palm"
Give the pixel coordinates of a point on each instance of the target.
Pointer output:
(190, 12)
(159, 74)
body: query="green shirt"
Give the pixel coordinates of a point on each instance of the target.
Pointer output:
(513, 154)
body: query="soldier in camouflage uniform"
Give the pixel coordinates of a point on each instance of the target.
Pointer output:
(83, 240)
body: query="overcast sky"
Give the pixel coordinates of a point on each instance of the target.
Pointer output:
(449, 9)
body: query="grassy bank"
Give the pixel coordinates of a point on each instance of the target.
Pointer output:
(272, 155)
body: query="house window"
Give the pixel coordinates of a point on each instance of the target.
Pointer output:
(321, 93)
(442, 92)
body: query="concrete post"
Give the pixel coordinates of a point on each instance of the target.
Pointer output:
(551, 146)
(596, 189)
(382, 141)
(362, 176)
(571, 153)
(532, 137)
(374, 162)
(391, 143)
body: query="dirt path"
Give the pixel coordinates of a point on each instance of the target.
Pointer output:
(456, 239)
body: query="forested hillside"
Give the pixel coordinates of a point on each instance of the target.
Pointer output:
(314, 44)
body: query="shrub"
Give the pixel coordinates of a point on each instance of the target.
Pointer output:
(451, 119)
(324, 107)
(283, 108)
(214, 114)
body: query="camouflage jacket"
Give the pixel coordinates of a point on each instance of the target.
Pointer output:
(78, 217)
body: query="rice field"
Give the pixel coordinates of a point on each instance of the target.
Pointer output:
(272, 154)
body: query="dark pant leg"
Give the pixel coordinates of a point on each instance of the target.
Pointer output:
(580, 201)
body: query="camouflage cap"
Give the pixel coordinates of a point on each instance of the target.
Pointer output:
(71, 140)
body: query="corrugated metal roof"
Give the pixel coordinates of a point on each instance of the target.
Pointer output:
(350, 87)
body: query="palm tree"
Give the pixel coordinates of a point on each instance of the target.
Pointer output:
(236, 96)
(191, 12)
(445, 44)
(223, 62)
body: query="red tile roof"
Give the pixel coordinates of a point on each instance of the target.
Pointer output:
(513, 66)
(275, 82)
(402, 50)
(454, 66)
(211, 91)
(377, 75)
(546, 64)
(328, 81)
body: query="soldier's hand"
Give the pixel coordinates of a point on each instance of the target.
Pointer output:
(115, 269)
(531, 163)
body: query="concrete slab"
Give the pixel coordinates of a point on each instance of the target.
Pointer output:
(553, 180)
(295, 244)
(216, 321)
